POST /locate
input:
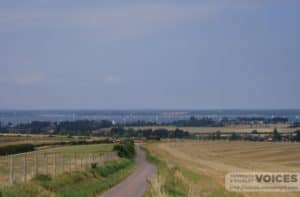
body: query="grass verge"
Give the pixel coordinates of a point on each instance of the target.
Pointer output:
(88, 183)
(166, 183)
(175, 180)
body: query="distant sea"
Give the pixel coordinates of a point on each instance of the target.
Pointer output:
(25, 116)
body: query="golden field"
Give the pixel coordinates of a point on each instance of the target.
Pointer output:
(202, 165)
(265, 128)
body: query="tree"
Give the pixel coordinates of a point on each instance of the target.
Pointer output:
(234, 136)
(254, 132)
(297, 137)
(276, 135)
(125, 149)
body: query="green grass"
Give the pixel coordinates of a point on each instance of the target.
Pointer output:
(87, 183)
(67, 151)
(95, 148)
(190, 175)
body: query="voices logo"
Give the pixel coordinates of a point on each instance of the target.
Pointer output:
(263, 182)
(276, 178)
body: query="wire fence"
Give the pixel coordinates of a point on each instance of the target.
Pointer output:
(14, 169)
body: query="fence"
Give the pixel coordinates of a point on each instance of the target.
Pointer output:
(23, 168)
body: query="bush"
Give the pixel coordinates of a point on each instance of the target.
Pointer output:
(234, 136)
(276, 135)
(297, 136)
(14, 149)
(125, 149)
(111, 167)
(93, 165)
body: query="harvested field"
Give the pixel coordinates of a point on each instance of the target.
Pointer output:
(211, 160)
(228, 129)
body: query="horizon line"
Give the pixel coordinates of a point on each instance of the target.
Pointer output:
(145, 109)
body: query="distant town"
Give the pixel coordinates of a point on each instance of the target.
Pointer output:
(176, 129)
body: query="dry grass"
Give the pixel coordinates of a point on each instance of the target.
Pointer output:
(211, 160)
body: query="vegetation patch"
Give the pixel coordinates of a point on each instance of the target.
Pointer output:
(125, 149)
(87, 183)
(169, 183)
(17, 148)
(173, 180)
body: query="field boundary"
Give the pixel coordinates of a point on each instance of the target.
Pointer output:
(24, 168)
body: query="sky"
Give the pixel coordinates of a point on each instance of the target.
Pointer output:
(109, 54)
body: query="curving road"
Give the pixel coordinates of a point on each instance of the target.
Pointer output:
(135, 184)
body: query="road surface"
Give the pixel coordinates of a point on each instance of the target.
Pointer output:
(136, 183)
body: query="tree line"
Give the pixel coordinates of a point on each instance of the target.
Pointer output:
(275, 136)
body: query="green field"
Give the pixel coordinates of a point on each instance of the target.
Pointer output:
(76, 184)
(38, 139)
(52, 161)
(77, 170)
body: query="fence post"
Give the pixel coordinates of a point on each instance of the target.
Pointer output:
(36, 165)
(63, 162)
(46, 162)
(87, 157)
(81, 161)
(70, 163)
(25, 168)
(75, 160)
(11, 177)
(54, 164)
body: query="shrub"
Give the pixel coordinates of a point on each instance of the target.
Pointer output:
(111, 167)
(125, 149)
(14, 149)
(93, 165)
(234, 136)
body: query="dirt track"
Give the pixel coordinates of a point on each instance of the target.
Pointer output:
(135, 184)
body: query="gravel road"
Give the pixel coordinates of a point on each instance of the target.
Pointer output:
(136, 183)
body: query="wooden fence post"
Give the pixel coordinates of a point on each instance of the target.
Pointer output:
(81, 161)
(63, 162)
(54, 164)
(25, 168)
(70, 163)
(75, 161)
(36, 165)
(11, 177)
(46, 162)
(85, 161)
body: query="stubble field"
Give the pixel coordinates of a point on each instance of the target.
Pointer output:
(267, 128)
(207, 162)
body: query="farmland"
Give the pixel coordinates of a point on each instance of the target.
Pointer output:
(264, 128)
(50, 161)
(37, 139)
(200, 167)
(69, 170)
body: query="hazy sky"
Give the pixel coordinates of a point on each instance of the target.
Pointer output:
(149, 54)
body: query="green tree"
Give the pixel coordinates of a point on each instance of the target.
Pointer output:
(276, 136)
